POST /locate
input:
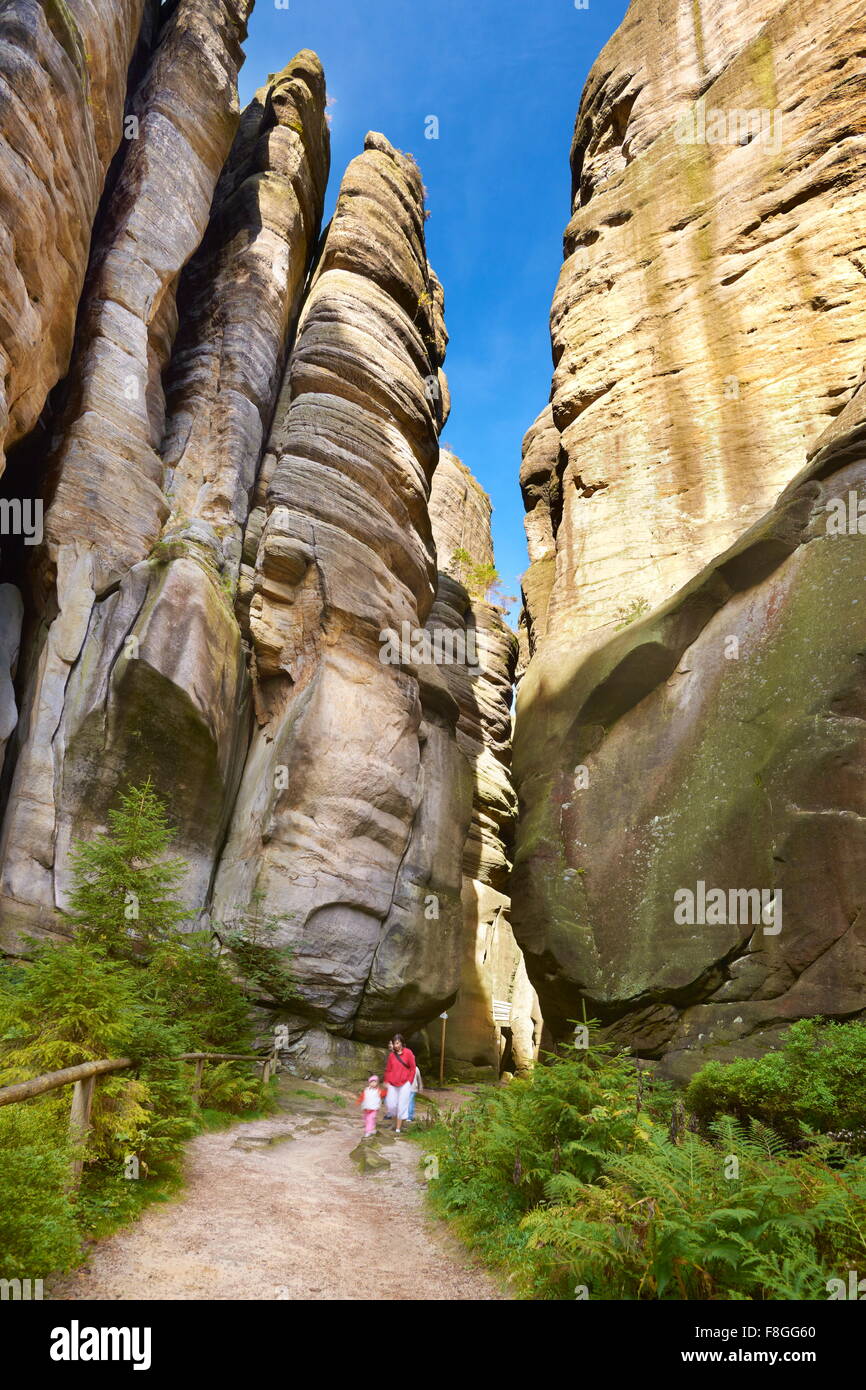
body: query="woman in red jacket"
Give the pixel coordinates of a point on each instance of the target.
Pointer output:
(399, 1072)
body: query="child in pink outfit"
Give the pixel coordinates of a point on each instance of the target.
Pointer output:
(370, 1100)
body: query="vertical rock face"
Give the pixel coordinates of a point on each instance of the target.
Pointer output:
(674, 742)
(11, 616)
(62, 91)
(239, 303)
(495, 1020)
(714, 258)
(354, 802)
(542, 494)
(112, 426)
(63, 75)
(162, 688)
(107, 503)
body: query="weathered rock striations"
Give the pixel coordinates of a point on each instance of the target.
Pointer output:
(355, 798)
(107, 474)
(63, 77)
(706, 326)
(495, 1020)
(162, 688)
(700, 748)
(239, 301)
(482, 682)
(107, 503)
(237, 519)
(63, 70)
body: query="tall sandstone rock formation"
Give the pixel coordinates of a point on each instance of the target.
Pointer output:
(234, 426)
(355, 798)
(63, 73)
(106, 500)
(63, 82)
(495, 1020)
(685, 719)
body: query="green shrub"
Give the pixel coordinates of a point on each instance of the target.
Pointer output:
(817, 1079)
(250, 939)
(568, 1184)
(229, 1086)
(631, 612)
(69, 1004)
(73, 1004)
(670, 1221)
(192, 986)
(127, 985)
(38, 1229)
(498, 1153)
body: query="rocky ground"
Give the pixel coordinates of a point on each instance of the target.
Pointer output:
(282, 1209)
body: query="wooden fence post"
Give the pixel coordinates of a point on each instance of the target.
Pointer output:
(79, 1124)
(444, 1018)
(196, 1085)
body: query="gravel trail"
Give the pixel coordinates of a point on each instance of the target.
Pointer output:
(278, 1209)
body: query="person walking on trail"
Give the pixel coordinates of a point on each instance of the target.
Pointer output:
(399, 1071)
(370, 1101)
(416, 1086)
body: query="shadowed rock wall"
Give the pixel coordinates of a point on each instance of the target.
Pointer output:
(691, 725)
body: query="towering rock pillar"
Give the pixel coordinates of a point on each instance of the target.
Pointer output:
(714, 256)
(354, 803)
(63, 80)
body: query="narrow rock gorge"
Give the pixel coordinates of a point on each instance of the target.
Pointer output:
(238, 562)
(496, 1021)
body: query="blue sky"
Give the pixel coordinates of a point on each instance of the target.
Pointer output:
(504, 78)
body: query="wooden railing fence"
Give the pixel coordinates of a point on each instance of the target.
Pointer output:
(83, 1080)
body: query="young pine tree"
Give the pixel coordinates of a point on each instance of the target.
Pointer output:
(122, 899)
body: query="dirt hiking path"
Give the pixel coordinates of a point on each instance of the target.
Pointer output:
(277, 1209)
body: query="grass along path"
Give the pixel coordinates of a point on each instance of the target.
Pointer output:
(277, 1209)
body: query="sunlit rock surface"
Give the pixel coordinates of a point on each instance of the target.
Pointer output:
(354, 804)
(106, 503)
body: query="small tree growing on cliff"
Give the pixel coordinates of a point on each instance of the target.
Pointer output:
(480, 578)
(122, 899)
(249, 936)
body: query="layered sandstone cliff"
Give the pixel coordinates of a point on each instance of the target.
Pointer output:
(706, 325)
(74, 744)
(63, 86)
(63, 75)
(691, 723)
